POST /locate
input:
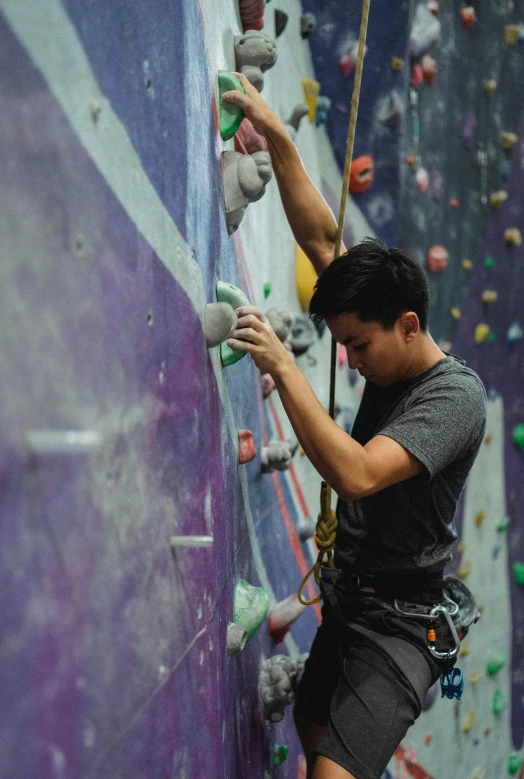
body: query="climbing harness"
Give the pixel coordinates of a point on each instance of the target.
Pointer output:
(327, 521)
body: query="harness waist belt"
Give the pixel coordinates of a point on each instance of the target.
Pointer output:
(402, 587)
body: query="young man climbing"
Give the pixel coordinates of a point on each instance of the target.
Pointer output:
(398, 478)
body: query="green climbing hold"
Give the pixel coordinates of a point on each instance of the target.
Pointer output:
(231, 116)
(518, 574)
(518, 436)
(489, 262)
(491, 337)
(280, 754)
(495, 662)
(499, 703)
(514, 763)
(250, 607)
(228, 293)
(503, 524)
(267, 289)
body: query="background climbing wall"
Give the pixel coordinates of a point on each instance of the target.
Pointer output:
(113, 646)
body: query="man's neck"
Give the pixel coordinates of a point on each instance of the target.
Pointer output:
(426, 354)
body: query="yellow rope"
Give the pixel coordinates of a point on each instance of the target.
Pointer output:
(326, 530)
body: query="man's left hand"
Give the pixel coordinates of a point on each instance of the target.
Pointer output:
(255, 335)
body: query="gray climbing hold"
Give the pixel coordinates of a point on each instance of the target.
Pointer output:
(299, 112)
(280, 321)
(308, 23)
(391, 109)
(219, 322)
(236, 639)
(306, 527)
(245, 178)
(276, 456)
(425, 31)
(255, 52)
(303, 334)
(277, 686)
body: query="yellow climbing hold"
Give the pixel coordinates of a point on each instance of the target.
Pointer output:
(475, 677)
(511, 34)
(481, 333)
(468, 721)
(489, 296)
(397, 63)
(455, 313)
(465, 649)
(490, 86)
(311, 92)
(513, 236)
(464, 570)
(306, 278)
(461, 548)
(488, 438)
(467, 264)
(508, 140)
(480, 516)
(496, 199)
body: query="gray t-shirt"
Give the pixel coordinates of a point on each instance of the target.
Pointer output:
(440, 417)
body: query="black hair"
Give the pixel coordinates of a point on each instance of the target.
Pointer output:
(376, 283)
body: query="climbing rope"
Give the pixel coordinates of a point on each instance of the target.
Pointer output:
(326, 530)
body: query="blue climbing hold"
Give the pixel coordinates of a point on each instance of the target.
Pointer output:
(452, 684)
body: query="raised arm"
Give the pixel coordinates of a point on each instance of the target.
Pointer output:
(308, 214)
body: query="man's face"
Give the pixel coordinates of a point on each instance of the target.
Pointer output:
(381, 356)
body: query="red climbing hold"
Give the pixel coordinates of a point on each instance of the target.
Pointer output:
(429, 68)
(468, 16)
(247, 450)
(282, 616)
(252, 14)
(438, 259)
(417, 75)
(247, 140)
(361, 175)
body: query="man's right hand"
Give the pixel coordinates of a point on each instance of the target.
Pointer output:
(254, 106)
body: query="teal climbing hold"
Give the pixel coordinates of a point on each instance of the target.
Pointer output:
(496, 661)
(250, 607)
(499, 703)
(231, 116)
(518, 574)
(514, 763)
(280, 754)
(228, 293)
(518, 436)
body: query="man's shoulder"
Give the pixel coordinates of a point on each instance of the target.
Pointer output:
(454, 376)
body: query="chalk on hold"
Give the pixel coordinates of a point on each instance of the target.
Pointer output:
(437, 259)
(282, 616)
(250, 607)
(231, 115)
(490, 86)
(228, 293)
(490, 296)
(303, 334)
(308, 23)
(513, 236)
(276, 456)
(508, 140)
(425, 31)
(245, 178)
(219, 322)
(191, 542)
(281, 19)
(306, 527)
(64, 441)
(391, 109)
(429, 68)
(323, 109)
(468, 16)
(236, 639)
(468, 721)
(280, 321)
(515, 332)
(311, 92)
(511, 34)
(361, 174)
(495, 663)
(481, 333)
(499, 702)
(397, 63)
(247, 450)
(496, 199)
(514, 763)
(518, 574)
(252, 14)
(255, 52)
(280, 754)
(276, 686)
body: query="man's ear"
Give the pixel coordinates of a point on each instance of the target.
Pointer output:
(410, 325)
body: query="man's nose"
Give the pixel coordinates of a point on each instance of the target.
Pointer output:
(354, 360)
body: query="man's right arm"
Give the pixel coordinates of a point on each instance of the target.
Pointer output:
(308, 214)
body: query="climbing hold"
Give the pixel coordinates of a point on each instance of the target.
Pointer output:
(468, 16)
(508, 140)
(425, 31)
(219, 321)
(496, 661)
(267, 289)
(247, 450)
(410, 756)
(231, 115)
(361, 174)
(255, 52)
(433, 7)
(437, 259)
(467, 264)
(422, 179)
(281, 19)
(282, 616)
(417, 75)
(311, 92)
(397, 63)
(429, 68)
(468, 721)
(436, 185)
(481, 333)
(247, 140)
(391, 109)
(469, 125)
(455, 313)
(428, 738)
(250, 607)
(306, 527)
(303, 334)
(515, 332)
(490, 86)
(293, 123)
(268, 384)
(308, 23)
(410, 159)
(464, 570)
(252, 14)
(496, 199)
(280, 754)
(236, 639)
(488, 438)
(191, 542)
(503, 524)
(454, 202)
(499, 702)
(475, 677)
(518, 574)
(276, 456)
(489, 296)
(511, 33)
(323, 108)
(461, 548)
(348, 61)
(491, 337)
(276, 686)
(495, 551)
(487, 731)
(280, 321)
(228, 293)
(514, 763)
(245, 178)
(489, 262)
(513, 236)
(479, 518)
(465, 648)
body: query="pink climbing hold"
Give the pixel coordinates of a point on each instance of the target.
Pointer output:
(268, 384)
(429, 68)
(438, 258)
(247, 140)
(252, 14)
(247, 450)
(417, 75)
(422, 179)
(348, 61)
(282, 616)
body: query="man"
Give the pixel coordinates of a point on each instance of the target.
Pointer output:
(398, 476)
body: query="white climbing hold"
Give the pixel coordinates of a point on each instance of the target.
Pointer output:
(219, 322)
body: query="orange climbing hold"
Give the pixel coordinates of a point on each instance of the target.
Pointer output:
(361, 174)
(437, 259)
(454, 202)
(468, 16)
(429, 68)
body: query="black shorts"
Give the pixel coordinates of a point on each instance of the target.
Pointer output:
(352, 684)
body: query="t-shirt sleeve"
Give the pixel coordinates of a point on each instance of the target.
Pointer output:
(443, 424)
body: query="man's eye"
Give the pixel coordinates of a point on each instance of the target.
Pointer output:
(359, 347)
